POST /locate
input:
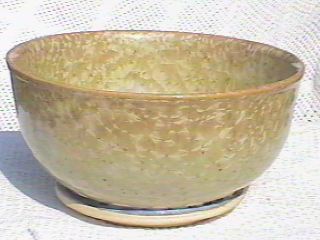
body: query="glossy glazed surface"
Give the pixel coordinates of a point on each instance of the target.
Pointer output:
(156, 147)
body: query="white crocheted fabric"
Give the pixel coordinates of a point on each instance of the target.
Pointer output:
(289, 24)
(283, 204)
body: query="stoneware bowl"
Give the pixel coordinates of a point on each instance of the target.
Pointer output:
(156, 121)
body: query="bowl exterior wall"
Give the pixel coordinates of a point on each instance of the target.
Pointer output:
(152, 153)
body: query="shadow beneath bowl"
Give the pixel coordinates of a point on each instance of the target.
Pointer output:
(23, 171)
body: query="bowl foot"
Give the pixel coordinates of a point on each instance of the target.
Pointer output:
(149, 217)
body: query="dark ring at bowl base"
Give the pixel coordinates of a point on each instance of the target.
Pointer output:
(149, 217)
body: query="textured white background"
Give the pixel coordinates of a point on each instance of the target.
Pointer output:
(290, 24)
(283, 204)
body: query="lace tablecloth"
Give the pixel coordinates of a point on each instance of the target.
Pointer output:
(289, 24)
(283, 204)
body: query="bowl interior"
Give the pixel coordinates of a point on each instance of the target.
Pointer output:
(152, 62)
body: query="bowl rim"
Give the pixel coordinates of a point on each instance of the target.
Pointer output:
(275, 87)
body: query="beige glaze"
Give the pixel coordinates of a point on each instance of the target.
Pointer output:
(153, 119)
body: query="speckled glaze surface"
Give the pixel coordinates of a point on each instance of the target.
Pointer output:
(153, 119)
